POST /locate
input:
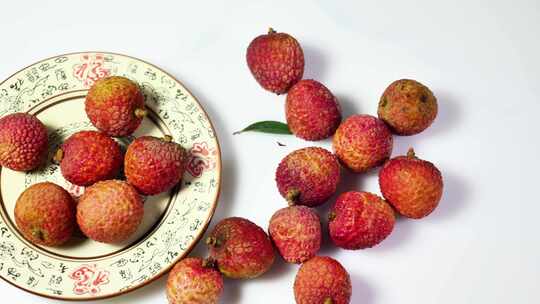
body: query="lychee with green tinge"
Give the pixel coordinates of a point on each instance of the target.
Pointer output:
(322, 280)
(154, 165)
(296, 233)
(308, 176)
(408, 107)
(110, 211)
(87, 157)
(23, 142)
(312, 111)
(115, 106)
(194, 281)
(45, 214)
(276, 60)
(241, 249)
(362, 142)
(412, 185)
(360, 220)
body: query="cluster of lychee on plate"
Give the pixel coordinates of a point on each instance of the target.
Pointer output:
(308, 177)
(110, 210)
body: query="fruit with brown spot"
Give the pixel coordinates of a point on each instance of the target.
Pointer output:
(45, 214)
(194, 281)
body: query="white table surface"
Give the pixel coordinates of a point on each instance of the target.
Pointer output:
(481, 58)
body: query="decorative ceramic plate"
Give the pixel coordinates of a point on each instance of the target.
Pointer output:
(54, 90)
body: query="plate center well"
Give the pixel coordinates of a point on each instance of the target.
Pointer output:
(63, 116)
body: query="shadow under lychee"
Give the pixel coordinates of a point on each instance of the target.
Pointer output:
(316, 63)
(362, 292)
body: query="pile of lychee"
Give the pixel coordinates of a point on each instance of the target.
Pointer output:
(111, 209)
(308, 177)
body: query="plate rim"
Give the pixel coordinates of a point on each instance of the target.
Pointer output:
(197, 239)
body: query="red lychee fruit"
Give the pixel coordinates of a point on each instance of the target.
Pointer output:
(154, 165)
(110, 211)
(308, 176)
(413, 186)
(194, 281)
(87, 157)
(362, 142)
(23, 142)
(241, 249)
(360, 220)
(276, 60)
(45, 214)
(115, 106)
(296, 232)
(408, 107)
(322, 280)
(312, 111)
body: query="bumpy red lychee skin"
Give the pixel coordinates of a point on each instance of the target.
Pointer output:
(110, 211)
(241, 249)
(308, 176)
(45, 214)
(360, 220)
(322, 280)
(276, 60)
(87, 157)
(194, 281)
(296, 233)
(23, 142)
(115, 106)
(413, 186)
(154, 165)
(408, 107)
(362, 142)
(312, 111)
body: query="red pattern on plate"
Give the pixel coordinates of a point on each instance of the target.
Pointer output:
(201, 158)
(88, 279)
(90, 69)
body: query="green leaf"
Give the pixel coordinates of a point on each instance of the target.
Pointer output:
(267, 126)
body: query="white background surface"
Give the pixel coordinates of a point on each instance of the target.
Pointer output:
(481, 59)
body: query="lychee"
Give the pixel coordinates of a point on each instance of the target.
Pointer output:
(362, 142)
(322, 280)
(241, 249)
(276, 60)
(413, 186)
(154, 165)
(110, 211)
(45, 214)
(312, 111)
(296, 232)
(115, 106)
(87, 157)
(23, 142)
(360, 220)
(408, 107)
(194, 281)
(308, 176)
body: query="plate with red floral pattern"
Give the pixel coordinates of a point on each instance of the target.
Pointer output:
(54, 90)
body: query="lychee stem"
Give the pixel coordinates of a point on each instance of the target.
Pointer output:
(331, 216)
(212, 241)
(271, 31)
(167, 138)
(328, 301)
(410, 153)
(209, 263)
(58, 156)
(292, 196)
(141, 112)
